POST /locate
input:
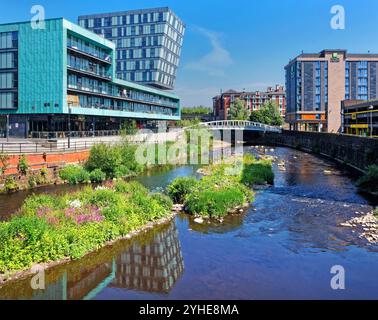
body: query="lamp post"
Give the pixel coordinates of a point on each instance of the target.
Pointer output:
(69, 124)
(7, 128)
(371, 108)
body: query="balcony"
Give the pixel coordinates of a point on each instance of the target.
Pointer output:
(89, 72)
(104, 58)
(119, 95)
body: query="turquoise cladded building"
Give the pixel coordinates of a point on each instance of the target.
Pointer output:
(62, 78)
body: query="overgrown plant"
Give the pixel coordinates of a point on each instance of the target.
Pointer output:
(51, 228)
(23, 165)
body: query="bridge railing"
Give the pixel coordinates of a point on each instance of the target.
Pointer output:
(240, 124)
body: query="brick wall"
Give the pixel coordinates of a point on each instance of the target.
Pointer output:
(54, 160)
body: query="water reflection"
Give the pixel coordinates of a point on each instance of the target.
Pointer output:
(152, 262)
(152, 267)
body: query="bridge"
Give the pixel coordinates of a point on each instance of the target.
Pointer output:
(240, 125)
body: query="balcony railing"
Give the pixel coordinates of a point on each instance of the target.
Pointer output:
(103, 57)
(89, 71)
(101, 91)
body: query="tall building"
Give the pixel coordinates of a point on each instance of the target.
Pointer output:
(148, 43)
(316, 84)
(253, 100)
(65, 72)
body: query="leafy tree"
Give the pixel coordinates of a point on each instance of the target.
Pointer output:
(269, 114)
(201, 110)
(238, 111)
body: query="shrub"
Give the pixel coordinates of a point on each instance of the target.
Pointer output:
(215, 203)
(163, 200)
(10, 185)
(369, 182)
(97, 176)
(23, 165)
(130, 188)
(32, 181)
(44, 172)
(258, 173)
(181, 187)
(106, 158)
(74, 174)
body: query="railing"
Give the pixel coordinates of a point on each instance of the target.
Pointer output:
(240, 124)
(73, 134)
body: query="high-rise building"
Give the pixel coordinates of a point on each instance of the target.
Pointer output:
(148, 43)
(62, 78)
(317, 83)
(253, 100)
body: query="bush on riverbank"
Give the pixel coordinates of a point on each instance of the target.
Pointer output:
(224, 187)
(54, 228)
(369, 182)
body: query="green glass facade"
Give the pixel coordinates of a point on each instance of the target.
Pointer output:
(64, 69)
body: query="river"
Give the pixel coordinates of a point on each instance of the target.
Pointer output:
(283, 248)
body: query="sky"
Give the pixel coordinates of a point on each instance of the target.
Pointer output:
(238, 44)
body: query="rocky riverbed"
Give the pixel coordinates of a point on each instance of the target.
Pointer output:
(367, 225)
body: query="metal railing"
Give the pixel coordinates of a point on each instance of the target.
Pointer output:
(240, 124)
(73, 134)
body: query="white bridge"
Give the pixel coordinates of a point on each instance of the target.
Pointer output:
(240, 125)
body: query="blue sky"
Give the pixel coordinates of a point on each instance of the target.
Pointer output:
(235, 44)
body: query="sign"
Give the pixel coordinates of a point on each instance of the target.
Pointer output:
(335, 57)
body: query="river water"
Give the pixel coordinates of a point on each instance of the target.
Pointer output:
(283, 248)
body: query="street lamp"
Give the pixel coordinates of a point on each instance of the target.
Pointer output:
(7, 128)
(69, 123)
(371, 108)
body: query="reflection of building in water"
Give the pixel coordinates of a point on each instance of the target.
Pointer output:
(152, 267)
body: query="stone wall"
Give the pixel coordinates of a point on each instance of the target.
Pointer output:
(357, 152)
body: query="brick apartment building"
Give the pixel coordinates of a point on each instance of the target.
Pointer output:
(253, 100)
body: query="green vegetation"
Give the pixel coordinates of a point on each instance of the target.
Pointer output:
(51, 228)
(200, 111)
(74, 174)
(224, 187)
(115, 161)
(180, 188)
(188, 123)
(369, 182)
(10, 185)
(23, 166)
(238, 111)
(269, 114)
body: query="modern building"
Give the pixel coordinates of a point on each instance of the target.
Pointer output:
(148, 43)
(253, 100)
(360, 117)
(317, 83)
(63, 78)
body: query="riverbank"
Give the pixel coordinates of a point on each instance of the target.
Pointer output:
(68, 227)
(101, 163)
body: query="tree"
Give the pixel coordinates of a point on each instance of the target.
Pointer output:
(269, 114)
(201, 110)
(238, 111)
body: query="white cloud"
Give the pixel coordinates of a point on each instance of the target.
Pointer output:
(214, 62)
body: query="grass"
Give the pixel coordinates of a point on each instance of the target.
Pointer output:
(68, 227)
(225, 186)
